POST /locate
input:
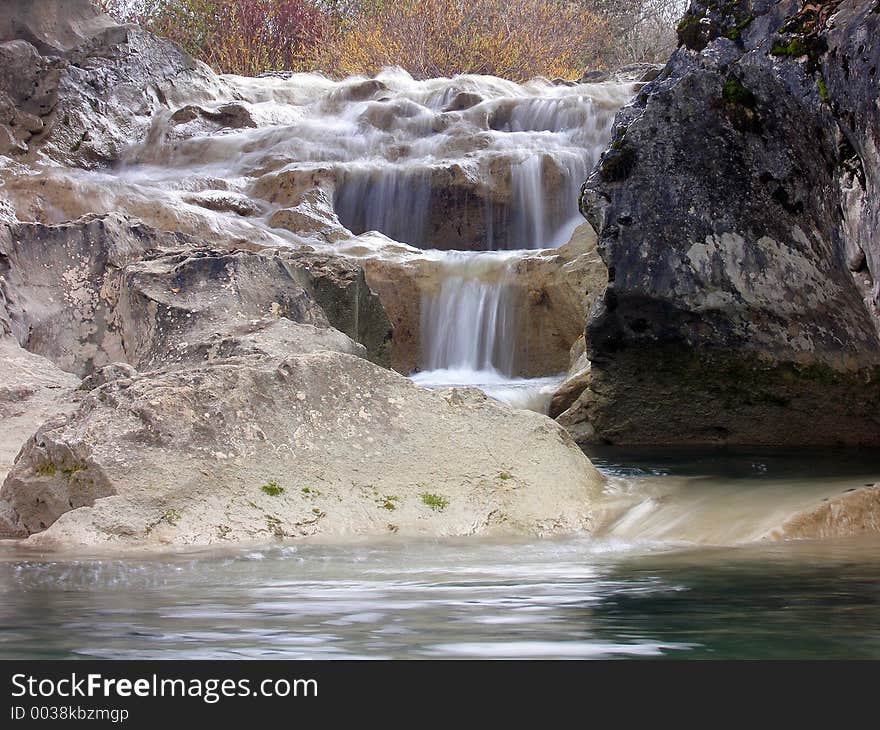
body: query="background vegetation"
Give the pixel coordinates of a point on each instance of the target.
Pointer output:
(515, 39)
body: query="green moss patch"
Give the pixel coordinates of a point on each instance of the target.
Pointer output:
(823, 89)
(795, 48)
(388, 502)
(46, 470)
(736, 32)
(435, 501)
(690, 34)
(272, 489)
(735, 93)
(172, 517)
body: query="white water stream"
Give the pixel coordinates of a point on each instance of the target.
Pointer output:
(469, 332)
(472, 173)
(547, 137)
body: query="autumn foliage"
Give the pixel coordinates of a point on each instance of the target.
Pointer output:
(515, 39)
(245, 37)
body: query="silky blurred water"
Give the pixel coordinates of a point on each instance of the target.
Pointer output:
(562, 598)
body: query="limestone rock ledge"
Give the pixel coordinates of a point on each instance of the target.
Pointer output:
(107, 289)
(218, 403)
(855, 512)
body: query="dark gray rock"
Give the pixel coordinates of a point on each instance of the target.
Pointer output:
(339, 286)
(81, 88)
(739, 191)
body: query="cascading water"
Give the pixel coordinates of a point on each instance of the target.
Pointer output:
(468, 327)
(374, 199)
(469, 331)
(471, 174)
(469, 324)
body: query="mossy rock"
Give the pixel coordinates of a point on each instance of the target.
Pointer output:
(735, 93)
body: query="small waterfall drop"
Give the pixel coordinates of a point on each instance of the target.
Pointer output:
(469, 331)
(373, 199)
(469, 324)
(530, 224)
(471, 173)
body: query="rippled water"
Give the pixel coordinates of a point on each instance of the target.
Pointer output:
(566, 598)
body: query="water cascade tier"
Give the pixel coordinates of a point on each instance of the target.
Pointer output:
(470, 175)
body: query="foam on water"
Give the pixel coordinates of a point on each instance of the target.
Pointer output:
(410, 168)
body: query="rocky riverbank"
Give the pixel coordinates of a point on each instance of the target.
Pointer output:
(172, 379)
(212, 287)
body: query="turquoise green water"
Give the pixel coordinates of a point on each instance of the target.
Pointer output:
(609, 597)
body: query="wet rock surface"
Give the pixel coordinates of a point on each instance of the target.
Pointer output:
(736, 209)
(339, 286)
(855, 512)
(577, 380)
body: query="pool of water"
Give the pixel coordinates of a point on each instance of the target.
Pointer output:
(533, 394)
(618, 595)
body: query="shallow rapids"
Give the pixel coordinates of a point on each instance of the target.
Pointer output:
(683, 590)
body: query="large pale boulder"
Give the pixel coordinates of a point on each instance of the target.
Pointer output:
(322, 444)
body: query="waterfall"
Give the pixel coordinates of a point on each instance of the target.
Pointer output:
(469, 325)
(471, 173)
(529, 226)
(469, 328)
(374, 199)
